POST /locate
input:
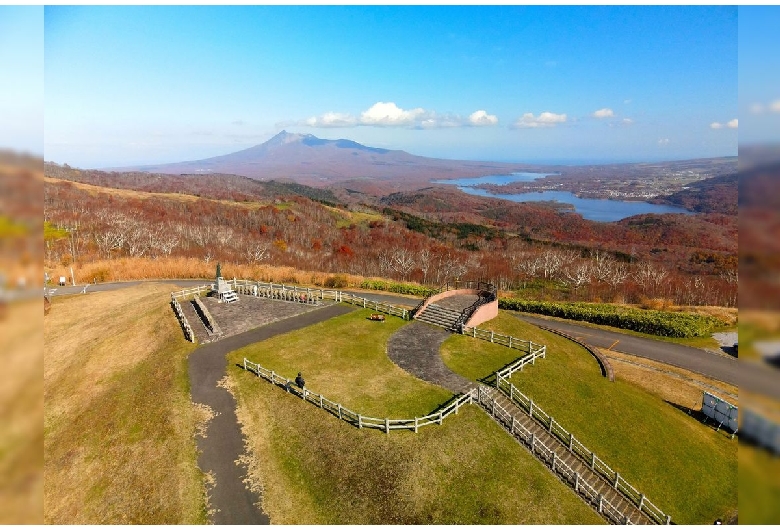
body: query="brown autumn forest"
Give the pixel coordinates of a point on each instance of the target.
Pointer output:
(430, 235)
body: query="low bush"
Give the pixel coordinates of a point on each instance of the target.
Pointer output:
(653, 322)
(338, 281)
(394, 287)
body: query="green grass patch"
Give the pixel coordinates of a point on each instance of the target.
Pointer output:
(759, 486)
(316, 469)
(396, 287)
(345, 359)
(684, 467)
(653, 322)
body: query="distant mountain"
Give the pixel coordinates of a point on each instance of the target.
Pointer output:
(307, 159)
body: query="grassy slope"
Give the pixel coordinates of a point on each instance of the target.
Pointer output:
(759, 486)
(684, 467)
(118, 422)
(315, 469)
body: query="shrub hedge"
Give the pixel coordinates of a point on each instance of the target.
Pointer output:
(653, 322)
(393, 287)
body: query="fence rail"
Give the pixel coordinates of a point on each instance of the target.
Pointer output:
(359, 420)
(550, 458)
(579, 449)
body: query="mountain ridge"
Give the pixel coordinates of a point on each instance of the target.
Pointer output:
(305, 158)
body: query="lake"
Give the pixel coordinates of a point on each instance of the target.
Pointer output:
(604, 210)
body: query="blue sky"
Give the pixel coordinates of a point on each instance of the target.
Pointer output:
(136, 85)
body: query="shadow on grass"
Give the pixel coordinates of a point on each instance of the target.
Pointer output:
(699, 416)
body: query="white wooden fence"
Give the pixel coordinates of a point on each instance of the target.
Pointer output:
(549, 457)
(576, 447)
(526, 346)
(354, 418)
(188, 334)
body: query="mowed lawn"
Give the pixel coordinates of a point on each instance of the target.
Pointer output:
(314, 469)
(119, 425)
(684, 467)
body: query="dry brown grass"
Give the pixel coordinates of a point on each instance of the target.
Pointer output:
(675, 385)
(118, 421)
(145, 195)
(21, 403)
(125, 269)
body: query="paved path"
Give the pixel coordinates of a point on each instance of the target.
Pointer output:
(223, 443)
(415, 348)
(757, 377)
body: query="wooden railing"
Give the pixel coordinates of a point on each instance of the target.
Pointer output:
(293, 293)
(549, 457)
(359, 420)
(575, 446)
(188, 334)
(526, 346)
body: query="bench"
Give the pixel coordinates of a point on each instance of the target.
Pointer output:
(378, 317)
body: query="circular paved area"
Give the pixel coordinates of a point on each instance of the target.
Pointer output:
(415, 348)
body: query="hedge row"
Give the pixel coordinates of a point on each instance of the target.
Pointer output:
(393, 287)
(653, 322)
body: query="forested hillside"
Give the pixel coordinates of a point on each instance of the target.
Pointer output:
(429, 236)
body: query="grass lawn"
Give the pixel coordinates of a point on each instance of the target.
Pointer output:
(759, 486)
(315, 469)
(118, 421)
(684, 467)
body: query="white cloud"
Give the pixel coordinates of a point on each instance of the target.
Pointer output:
(775, 106)
(332, 119)
(626, 101)
(663, 141)
(545, 119)
(388, 114)
(384, 114)
(627, 121)
(603, 113)
(757, 108)
(481, 117)
(733, 124)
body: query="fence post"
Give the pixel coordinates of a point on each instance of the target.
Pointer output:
(415, 425)
(320, 400)
(474, 331)
(668, 519)
(571, 441)
(576, 482)
(551, 424)
(387, 425)
(493, 407)
(511, 393)
(601, 503)
(498, 378)
(510, 341)
(360, 421)
(531, 408)
(440, 417)
(593, 461)
(339, 410)
(512, 427)
(304, 394)
(533, 442)
(553, 462)
(641, 501)
(244, 363)
(491, 336)
(617, 478)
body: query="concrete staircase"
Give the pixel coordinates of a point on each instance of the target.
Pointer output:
(439, 316)
(569, 467)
